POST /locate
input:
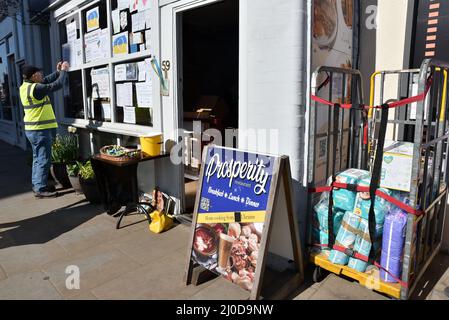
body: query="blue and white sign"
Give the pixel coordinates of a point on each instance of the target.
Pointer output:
(235, 182)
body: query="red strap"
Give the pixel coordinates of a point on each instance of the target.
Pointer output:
(365, 133)
(399, 103)
(364, 258)
(402, 283)
(326, 102)
(379, 193)
(354, 254)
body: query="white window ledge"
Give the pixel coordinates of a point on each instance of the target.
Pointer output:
(114, 128)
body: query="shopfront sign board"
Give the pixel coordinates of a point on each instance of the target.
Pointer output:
(240, 196)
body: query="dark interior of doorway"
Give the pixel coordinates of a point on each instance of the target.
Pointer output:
(210, 63)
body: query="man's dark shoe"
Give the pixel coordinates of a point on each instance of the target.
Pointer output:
(50, 188)
(45, 194)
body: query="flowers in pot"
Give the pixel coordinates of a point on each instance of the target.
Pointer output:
(64, 151)
(73, 172)
(88, 182)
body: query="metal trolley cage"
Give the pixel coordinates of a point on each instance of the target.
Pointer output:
(426, 124)
(341, 127)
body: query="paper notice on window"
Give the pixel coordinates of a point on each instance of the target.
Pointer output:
(120, 72)
(142, 71)
(78, 49)
(71, 52)
(104, 44)
(129, 115)
(122, 4)
(106, 109)
(100, 83)
(125, 94)
(143, 5)
(93, 19)
(93, 45)
(147, 18)
(120, 43)
(71, 32)
(115, 14)
(137, 38)
(147, 39)
(144, 92)
(133, 5)
(123, 20)
(138, 21)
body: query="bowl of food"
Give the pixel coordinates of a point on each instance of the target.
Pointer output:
(205, 242)
(325, 22)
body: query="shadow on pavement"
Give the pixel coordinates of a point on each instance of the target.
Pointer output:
(431, 277)
(46, 227)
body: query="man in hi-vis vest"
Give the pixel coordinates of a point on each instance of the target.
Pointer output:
(40, 121)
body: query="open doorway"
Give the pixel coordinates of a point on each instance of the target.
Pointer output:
(208, 73)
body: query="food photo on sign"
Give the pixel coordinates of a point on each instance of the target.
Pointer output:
(229, 249)
(231, 214)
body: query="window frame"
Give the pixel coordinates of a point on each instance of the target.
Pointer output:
(113, 126)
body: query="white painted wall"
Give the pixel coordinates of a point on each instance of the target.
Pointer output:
(273, 64)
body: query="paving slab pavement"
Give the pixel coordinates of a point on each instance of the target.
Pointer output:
(39, 239)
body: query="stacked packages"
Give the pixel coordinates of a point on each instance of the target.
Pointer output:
(351, 227)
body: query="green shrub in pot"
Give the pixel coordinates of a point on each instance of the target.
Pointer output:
(65, 149)
(73, 172)
(88, 183)
(85, 171)
(73, 169)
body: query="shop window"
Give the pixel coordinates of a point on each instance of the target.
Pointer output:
(96, 33)
(131, 27)
(98, 93)
(101, 139)
(5, 93)
(71, 43)
(134, 92)
(73, 96)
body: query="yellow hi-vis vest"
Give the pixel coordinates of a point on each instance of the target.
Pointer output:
(39, 114)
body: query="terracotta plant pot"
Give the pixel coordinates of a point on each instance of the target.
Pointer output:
(76, 185)
(59, 173)
(90, 190)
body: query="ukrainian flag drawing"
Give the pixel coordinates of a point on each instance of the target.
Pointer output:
(92, 20)
(120, 45)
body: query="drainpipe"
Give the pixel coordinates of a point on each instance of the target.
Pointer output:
(29, 43)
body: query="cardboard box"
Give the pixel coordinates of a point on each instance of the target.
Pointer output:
(397, 165)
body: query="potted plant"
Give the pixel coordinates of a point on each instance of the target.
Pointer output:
(89, 183)
(73, 172)
(64, 151)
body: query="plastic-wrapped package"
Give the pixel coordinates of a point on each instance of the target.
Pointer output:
(362, 245)
(322, 212)
(344, 199)
(345, 238)
(393, 244)
(363, 204)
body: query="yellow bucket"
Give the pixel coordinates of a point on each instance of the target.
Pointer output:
(151, 145)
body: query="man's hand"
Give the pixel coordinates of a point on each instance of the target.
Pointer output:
(65, 66)
(58, 66)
